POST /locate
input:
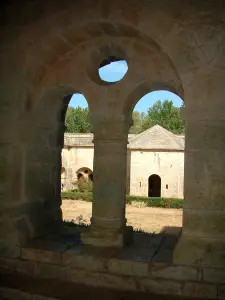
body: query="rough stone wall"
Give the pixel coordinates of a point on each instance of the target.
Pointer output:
(168, 165)
(50, 50)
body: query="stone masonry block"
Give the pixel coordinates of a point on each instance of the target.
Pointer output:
(20, 295)
(83, 261)
(27, 267)
(9, 264)
(176, 273)
(52, 271)
(214, 275)
(9, 248)
(221, 291)
(103, 280)
(128, 267)
(39, 255)
(18, 265)
(200, 290)
(160, 286)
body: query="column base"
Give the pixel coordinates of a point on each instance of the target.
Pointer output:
(200, 251)
(105, 238)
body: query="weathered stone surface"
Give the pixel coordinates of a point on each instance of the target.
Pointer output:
(82, 261)
(48, 53)
(200, 290)
(103, 279)
(128, 267)
(176, 272)
(214, 275)
(52, 271)
(202, 252)
(160, 286)
(12, 294)
(27, 267)
(221, 291)
(39, 255)
(18, 265)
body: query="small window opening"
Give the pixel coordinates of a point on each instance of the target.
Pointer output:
(113, 69)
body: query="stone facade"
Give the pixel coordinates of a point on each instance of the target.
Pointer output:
(155, 151)
(50, 50)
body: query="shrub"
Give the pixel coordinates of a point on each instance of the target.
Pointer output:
(139, 204)
(84, 185)
(76, 195)
(130, 199)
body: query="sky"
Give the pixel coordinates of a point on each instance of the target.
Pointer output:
(115, 72)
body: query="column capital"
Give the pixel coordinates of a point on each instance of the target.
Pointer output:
(110, 128)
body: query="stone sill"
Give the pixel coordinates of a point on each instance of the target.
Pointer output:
(145, 266)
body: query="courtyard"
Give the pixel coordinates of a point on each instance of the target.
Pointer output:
(147, 219)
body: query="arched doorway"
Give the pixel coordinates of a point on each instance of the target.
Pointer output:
(154, 186)
(84, 173)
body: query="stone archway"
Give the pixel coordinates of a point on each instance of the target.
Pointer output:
(63, 47)
(84, 173)
(154, 186)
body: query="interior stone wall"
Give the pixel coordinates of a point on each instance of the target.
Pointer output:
(49, 51)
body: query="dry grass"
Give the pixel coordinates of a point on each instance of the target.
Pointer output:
(148, 219)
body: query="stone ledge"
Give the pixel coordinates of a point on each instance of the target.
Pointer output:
(202, 252)
(214, 275)
(163, 287)
(18, 265)
(14, 294)
(128, 267)
(200, 290)
(74, 258)
(182, 273)
(111, 281)
(221, 291)
(135, 282)
(53, 271)
(43, 256)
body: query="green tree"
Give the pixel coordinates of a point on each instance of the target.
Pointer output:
(77, 120)
(165, 115)
(138, 122)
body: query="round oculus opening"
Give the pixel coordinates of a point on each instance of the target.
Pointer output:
(112, 69)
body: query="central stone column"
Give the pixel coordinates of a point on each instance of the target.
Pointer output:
(108, 223)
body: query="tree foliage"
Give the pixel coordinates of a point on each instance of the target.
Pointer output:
(77, 120)
(138, 119)
(165, 115)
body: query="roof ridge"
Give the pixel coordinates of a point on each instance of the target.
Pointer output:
(157, 137)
